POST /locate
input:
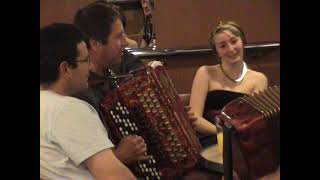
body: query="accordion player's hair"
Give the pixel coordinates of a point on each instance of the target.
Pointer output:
(231, 26)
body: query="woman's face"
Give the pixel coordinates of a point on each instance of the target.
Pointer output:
(146, 6)
(229, 46)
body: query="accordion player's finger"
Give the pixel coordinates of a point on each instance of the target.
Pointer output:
(138, 139)
(154, 64)
(142, 153)
(144, 157)
(142, 147)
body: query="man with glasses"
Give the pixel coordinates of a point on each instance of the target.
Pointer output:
(73, 142)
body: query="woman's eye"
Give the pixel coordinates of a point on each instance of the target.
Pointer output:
(234, 41)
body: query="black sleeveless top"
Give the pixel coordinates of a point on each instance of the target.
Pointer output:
(215, 101)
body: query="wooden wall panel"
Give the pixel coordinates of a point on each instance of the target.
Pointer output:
(59, 10)
(187, 23)
(63, 11)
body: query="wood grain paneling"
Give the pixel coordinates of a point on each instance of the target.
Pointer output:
(187, 23)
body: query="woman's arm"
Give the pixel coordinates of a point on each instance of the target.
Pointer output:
(197, 100)
(261, 83)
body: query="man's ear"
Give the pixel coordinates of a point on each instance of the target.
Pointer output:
(64, 69)
(94, 45)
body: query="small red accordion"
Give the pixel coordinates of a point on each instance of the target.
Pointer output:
(148, 105)
(252, 134)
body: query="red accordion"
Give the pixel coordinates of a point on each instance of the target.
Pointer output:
(148, 105)
(252, 135)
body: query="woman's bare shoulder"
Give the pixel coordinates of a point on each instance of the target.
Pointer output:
(256, 75)
(212, 69)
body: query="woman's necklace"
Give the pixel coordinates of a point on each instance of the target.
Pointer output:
(244, 71)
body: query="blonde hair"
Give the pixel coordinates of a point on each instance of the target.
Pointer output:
(231, 26)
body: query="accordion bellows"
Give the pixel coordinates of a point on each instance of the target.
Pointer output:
(148, 105)
(255, 140)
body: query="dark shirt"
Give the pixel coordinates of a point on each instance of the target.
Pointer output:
(216, 100)
(148, 33)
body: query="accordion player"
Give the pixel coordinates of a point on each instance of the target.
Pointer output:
(147, 104)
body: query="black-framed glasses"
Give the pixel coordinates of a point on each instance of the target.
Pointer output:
(87, 59)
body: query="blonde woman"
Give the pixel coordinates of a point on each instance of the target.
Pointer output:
(214, 86)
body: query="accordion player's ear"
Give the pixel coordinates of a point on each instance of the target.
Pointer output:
(154, 64)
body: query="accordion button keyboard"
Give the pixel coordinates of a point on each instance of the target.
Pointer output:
(157, 105)
(141, 98)
(167, 123)
(175, 138)
(152, 94)
(151, 105)
(174, 160)
(154, 110)
(175, 149)
(150, 170)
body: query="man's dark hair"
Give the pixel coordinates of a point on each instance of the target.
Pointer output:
(58, 43)
(96, 19)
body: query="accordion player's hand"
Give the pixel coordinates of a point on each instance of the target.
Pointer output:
(154, 64)
(131, 149)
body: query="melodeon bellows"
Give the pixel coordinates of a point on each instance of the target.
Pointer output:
(254, 123)
(148, 105)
